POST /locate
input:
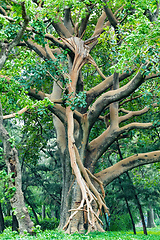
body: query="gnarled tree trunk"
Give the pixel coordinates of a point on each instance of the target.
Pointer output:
(15, 184)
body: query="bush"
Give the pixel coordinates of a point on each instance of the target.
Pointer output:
(8, 221)
(157, 221)
(120, 223)
(49, 223)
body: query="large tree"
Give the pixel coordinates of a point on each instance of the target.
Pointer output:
(69, 40)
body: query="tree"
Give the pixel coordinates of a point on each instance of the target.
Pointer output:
(130, 64)
(10, 152)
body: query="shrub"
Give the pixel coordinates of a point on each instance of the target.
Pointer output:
(120, 223)
(49, 223)
(157, 221)
(8, 221)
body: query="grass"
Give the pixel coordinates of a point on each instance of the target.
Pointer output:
(153, 234)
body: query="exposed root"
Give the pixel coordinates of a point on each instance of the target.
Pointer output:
(90, 195)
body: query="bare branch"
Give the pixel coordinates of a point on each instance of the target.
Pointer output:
(67, 20)
(83, 25)
(54, 40)
(99, 145)
(37, 48)
(131, 114)
(2, 11)
(103, 86)
(112, 96)
(61, 29)
(113, 21)
(12, 115)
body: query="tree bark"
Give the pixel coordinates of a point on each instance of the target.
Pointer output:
(1, 220)
(34, 212)
(150, 218)
(15, 183)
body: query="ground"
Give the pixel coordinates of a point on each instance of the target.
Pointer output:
(153, 234)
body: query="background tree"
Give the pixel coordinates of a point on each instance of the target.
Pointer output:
(61, 43)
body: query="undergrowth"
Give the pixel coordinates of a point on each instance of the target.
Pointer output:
(153, 234)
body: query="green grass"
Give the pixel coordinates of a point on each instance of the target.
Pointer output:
(153, 234)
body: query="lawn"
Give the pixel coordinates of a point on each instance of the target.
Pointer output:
(153, 234)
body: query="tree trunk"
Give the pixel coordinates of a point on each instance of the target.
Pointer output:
(43, 211)
(66, 196)
(150, 218)
(15, 225)
(135, 195)
(139, 206)
(1, 220)
(15, 182)
(125, 198)
(34, 212)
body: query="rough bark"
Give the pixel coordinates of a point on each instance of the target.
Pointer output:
(34, 212)
(14, 169)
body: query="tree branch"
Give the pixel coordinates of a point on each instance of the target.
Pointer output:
(83, 25)
(96, 91)
(113, 21)
(24, 25)
(55, 40)
(61, 29)
(111, 173)
(112, 96)
(37, 48)
(99, 145)
(67, 20)
(131, 114)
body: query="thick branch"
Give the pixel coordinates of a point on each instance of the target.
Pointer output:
(132, 113)
(61, 29)
(37, 48)
(113, 21)
(103, 86)
(68, 20)
(111, 173)
(83, 25)
(99, 145)
(114, 123)
(55, 40)
(112, 96)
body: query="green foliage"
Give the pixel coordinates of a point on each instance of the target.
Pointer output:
(120, 222)
(8, 221)
(48, 223)
(49, 234)
(9, 190)
(77, 101)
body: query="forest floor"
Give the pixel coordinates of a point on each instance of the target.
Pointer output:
(153, 234)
